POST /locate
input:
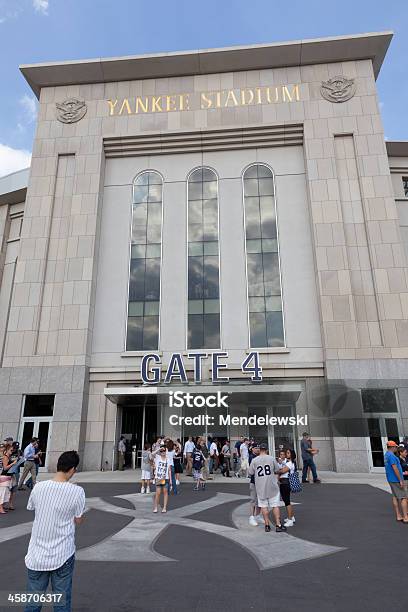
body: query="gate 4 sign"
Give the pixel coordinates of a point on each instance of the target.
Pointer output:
(151, 367)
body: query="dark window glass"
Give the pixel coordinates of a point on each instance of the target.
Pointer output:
(195, 278)
(150, 332)
(152, 284)
(379, 400)
(271, 273)
(203, 262)
(145, 264)
(137, 280)
(135, 333)
(195, 331)
(211, 280)
(257, 325)
(263, 272)
(212, 331)
(256, 284)
(274, 328)
(39, 405)
(405, 185)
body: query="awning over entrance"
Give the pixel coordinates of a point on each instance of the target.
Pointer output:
(290, 391)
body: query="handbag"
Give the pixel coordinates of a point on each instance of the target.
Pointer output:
(294, 482)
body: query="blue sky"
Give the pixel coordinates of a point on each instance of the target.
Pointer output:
(51, 30)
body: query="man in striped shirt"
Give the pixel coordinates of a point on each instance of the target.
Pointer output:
(59, 505)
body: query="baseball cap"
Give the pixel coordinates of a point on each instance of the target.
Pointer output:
(263, 446)
(391, 443)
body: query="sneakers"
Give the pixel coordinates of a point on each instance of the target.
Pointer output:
(317, 481)
(268, 528)
(147, 490)
(142, 490)
(289, 522)
(260, 519)
(252, 521)
(280, 528)
(177, 482)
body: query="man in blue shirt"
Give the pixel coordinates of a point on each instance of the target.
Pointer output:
(395, 477)
(30, 454)
(307, 457)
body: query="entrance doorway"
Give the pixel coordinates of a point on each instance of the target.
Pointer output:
(37, 423)
(380, 429)
(276, 436)
(138, 424)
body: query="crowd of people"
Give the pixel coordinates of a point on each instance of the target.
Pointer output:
(11, 459)
(59, 506)
(271, 479)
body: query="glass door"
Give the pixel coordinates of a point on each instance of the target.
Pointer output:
(282, 435)
(380, 429)
(37, 428)
(36, 422)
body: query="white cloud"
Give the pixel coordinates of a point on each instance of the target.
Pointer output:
(29, 106)
(7, 13)
(41, 6)
(12, 160)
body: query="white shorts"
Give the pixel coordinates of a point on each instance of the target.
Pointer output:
(146, 475)
(270, 502)
(244, 464)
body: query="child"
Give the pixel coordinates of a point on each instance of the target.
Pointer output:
(198, 462)
(161, 475)
(146, 468)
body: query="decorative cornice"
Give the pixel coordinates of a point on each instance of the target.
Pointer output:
(204, 140)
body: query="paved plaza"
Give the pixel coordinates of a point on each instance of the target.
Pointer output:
(344, 551)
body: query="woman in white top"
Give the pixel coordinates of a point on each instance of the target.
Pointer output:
(287, 467)
(161, 475)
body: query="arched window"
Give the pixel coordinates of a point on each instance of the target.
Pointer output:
(262, 255)
(145, 263)
(203, 261)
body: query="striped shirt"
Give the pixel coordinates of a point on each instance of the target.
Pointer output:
(52, 542)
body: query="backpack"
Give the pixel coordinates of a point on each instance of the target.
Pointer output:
(294, 482)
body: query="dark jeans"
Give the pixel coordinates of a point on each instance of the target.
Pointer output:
(309, 463)
(226, 466)
(213, 466)
(61, 582)
(173, 481)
